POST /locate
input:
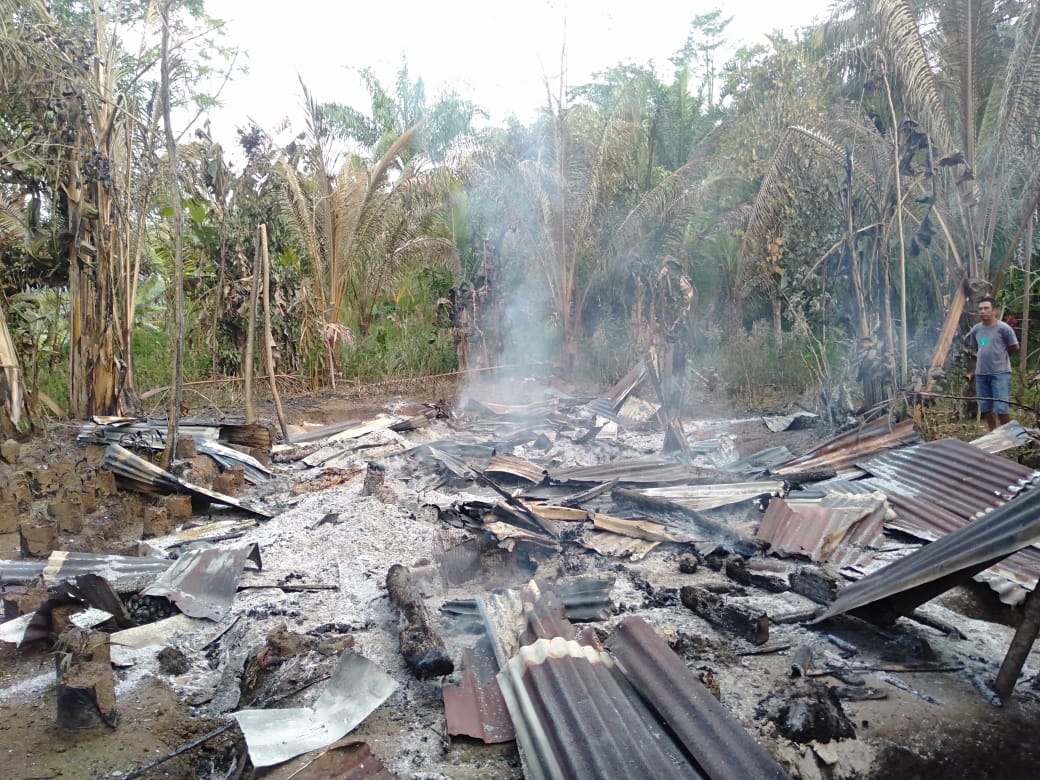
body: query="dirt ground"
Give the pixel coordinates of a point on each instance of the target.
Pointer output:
(328, 533)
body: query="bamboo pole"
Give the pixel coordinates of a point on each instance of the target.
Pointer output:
(247, 357)
(268, 339)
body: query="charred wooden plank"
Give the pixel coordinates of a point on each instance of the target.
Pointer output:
(737, 570)
(751, 624)
(421, 646)
(815, 584)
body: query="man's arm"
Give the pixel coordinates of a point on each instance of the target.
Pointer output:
(1011, 338)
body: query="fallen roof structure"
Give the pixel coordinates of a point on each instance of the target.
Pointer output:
(935, 568)
(936, 487)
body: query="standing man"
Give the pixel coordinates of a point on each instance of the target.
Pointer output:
(995, 341)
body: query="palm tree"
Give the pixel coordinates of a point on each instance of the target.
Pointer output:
(360, 225)
(965, 75)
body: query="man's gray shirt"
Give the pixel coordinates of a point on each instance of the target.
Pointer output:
(992, 343)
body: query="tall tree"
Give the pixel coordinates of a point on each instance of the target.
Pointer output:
(360, 224)
(87, 99)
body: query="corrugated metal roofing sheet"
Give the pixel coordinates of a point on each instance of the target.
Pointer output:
(648, 470)
(475, 707)
(843, 530)
(719, 744)
(576, 716)
(949, 473)
(202, 583)
(937, 487)
(936, 567)
(517, 467)
(842, 452)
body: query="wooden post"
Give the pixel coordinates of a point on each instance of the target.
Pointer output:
(247, 358)
(1018, 652)
(268, 339)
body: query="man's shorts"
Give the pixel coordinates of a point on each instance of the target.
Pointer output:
(997, 387)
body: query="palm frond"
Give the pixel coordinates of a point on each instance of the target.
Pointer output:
(908, 56)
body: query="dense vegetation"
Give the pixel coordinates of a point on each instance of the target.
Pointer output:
(831, 197)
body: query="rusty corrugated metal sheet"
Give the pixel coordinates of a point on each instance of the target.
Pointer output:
(936, 567)
(843, 530)
(842, 452)
(937, 487)
(475, 707)
(576, 716)
(948, 473)
(721, 747)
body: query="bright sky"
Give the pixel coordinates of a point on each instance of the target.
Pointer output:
(498, 55)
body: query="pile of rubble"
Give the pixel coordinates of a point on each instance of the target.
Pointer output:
(527, 590)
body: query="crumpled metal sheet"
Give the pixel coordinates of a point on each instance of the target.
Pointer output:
(516, 467)
(608, 543)
(203, 582)
(841, 452)
(475, 707)
(842, 530)
(152, 434)
(790, 422)
(123, 463)
(702, 497)
(354, 691)
(1006, 437)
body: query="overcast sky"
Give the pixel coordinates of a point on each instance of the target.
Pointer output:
(498, 55)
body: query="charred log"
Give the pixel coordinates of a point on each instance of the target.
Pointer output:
(751, 624)
(421, 646)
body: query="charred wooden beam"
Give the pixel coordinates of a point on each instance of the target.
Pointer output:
(815, 584)
(737, 570)
(421, 646)
(751, 624)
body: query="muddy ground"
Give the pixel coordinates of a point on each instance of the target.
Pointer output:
(329, 535)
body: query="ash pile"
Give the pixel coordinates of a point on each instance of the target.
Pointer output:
(535, 590)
